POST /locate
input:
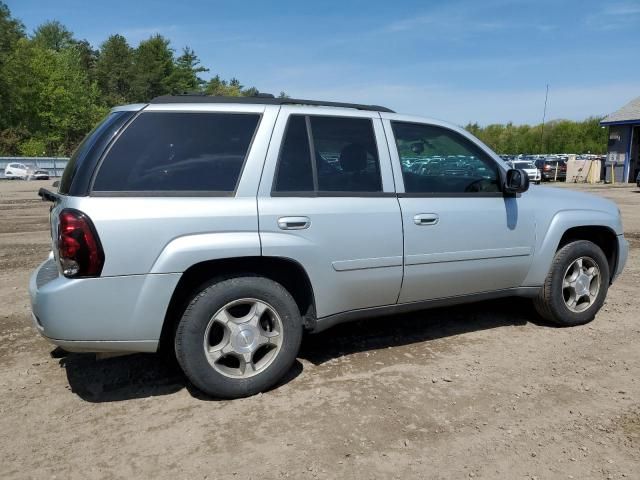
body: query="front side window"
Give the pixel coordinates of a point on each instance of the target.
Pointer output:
(437, 160)
(170, 151)
(322, 154)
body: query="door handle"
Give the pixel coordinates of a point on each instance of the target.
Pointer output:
(426, 219)
(294, 223)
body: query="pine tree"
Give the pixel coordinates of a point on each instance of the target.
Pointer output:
(152, 69)
(114, 70)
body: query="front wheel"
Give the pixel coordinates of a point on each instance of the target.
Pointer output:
(239, 336)
(576, 286)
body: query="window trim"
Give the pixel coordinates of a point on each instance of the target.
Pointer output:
(173, 193)
(336, 194)
(316, 193)
(405, 194)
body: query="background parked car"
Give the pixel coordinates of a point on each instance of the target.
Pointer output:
(529, 168)
(16, 170)
(638, 180)
(548, 169)
(40, 175)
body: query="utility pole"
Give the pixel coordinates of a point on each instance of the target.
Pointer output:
(544, 117)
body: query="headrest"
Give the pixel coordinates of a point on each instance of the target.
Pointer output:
(353, 158)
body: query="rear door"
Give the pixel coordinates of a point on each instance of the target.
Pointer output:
(461, 234)
(327, 201)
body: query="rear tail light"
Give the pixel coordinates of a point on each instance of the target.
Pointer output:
(79, 250)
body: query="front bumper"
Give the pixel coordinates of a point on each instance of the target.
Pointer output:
(623, 254)
(105, 314)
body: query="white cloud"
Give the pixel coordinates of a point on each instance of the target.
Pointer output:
(615, 16)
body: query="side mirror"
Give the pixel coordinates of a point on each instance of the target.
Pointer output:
(517, 181)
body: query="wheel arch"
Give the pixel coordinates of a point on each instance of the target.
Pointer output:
(603, 236)
(565, 226)
(287, 272)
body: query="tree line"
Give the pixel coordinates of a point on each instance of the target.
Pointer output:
(557, 136)
(54, 88)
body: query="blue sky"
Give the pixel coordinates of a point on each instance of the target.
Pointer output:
(485, 61)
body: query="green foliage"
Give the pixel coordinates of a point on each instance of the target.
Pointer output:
(54, 88)
(113, 70)
(152, 69)
(53, 36)
(11, 31)
(184, 78)
(559, 136)
(33, 147)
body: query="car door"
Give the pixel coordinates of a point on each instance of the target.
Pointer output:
(327, 201)
(462, 236)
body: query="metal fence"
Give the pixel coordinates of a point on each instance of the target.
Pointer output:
(54, 165)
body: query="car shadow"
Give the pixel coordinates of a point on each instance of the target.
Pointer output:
(149, 375)
(416, 327)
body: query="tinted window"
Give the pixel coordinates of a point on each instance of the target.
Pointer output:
(343, 157)
(162, 151)
(294, 165)
(438, 160)
(82, 163)
(346, 154)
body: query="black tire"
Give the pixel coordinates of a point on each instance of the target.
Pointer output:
(190, 335)
(550, 303)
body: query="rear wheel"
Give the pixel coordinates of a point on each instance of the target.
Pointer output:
(239, 336)
(576, 286)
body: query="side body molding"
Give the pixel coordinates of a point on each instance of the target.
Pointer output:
(555, 227)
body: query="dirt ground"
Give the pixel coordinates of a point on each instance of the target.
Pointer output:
(482, 391)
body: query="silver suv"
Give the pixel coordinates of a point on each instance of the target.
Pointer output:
(223, 228)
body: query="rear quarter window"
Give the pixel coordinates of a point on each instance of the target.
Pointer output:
(79, 170)
(178, 152)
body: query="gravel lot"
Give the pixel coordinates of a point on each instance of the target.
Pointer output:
(483, 391)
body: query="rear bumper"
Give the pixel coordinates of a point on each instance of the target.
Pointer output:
(106, 314)
(623, 253)
(551, 176)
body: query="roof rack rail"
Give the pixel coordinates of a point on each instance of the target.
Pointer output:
(262, 99)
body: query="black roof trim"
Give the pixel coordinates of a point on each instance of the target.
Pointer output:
(262, 100)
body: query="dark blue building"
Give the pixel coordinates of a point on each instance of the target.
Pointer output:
(624, 142)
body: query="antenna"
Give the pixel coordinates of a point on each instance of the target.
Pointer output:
(544, 117)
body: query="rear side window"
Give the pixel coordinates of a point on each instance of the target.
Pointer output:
(323, 154)
(178, 152)
(77, 174)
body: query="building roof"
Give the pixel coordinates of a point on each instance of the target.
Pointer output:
(630, 113)
(261, 99)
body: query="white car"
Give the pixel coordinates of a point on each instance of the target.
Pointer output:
(40, 174)
(16, 170)
(529, 168)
